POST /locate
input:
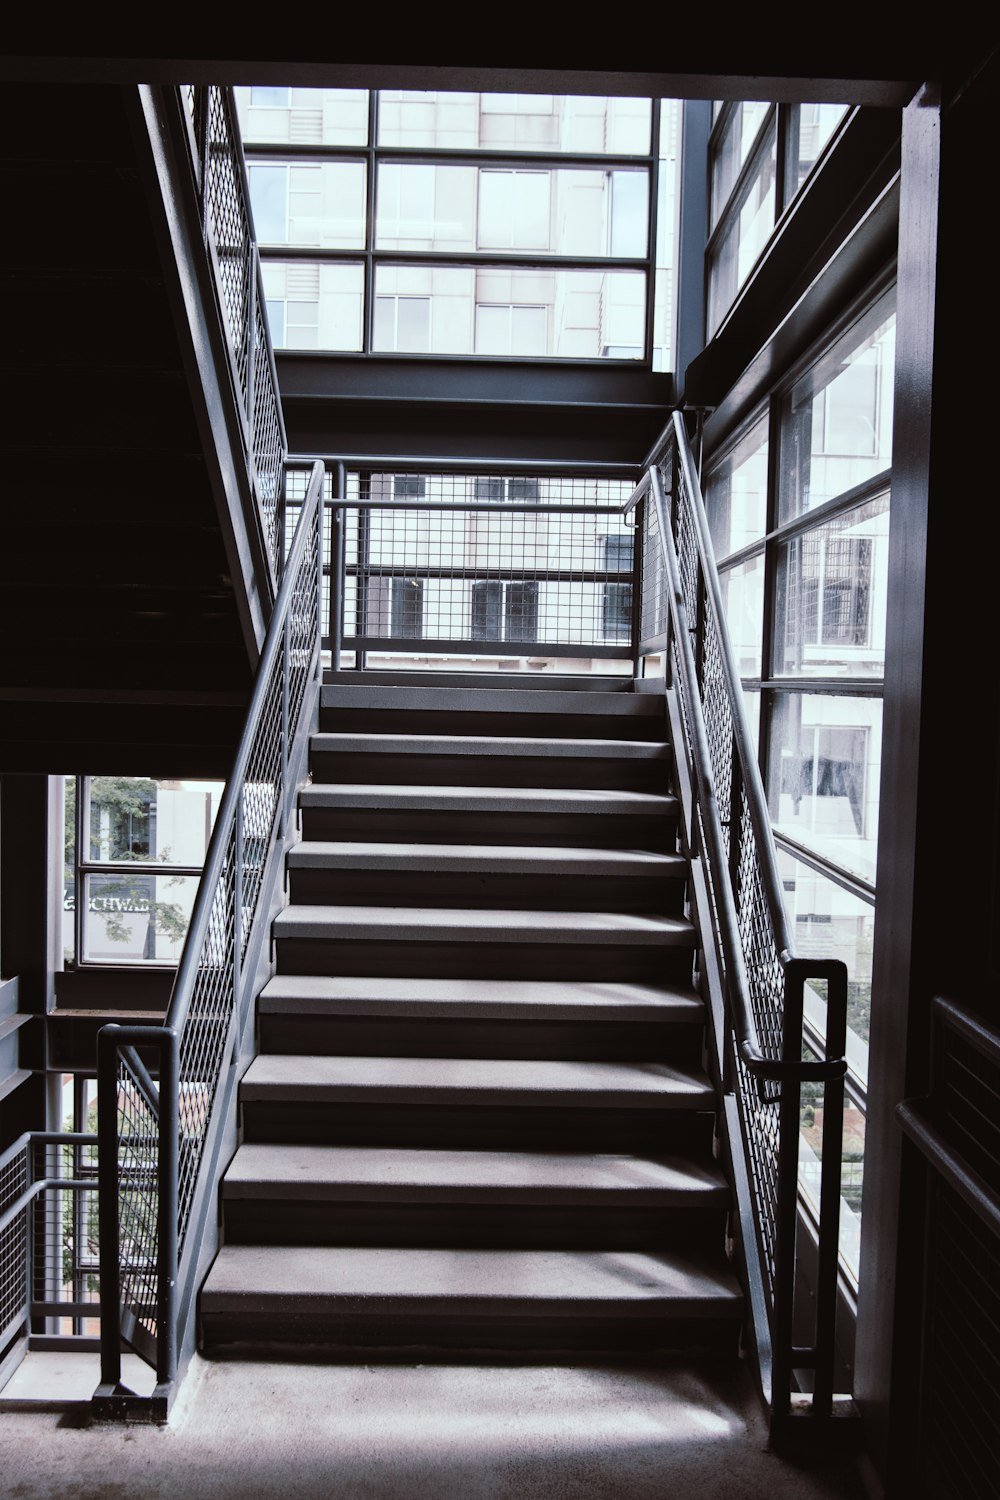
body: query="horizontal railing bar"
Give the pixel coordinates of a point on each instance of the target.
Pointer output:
(855, 884)
(66, 1309)
(642, 488)
(32, 1191)
(46, 1138)
(457, 507)
(125, 867)
(977, 1031)
(486, 575)
(419, 645)
(973, 1189)
(428, 464)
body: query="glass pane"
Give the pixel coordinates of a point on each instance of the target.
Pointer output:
(823, 778)
(851, 1164)
(830, 597)
(69, 869)
(731, 151)
(515, 311)
(810, 127)
(140, 818)
(303, 117)
(743, 598)
(666, 235)
(745, 238)
(829, 922)
(736, 493)
(315, 305)
(523, 122)
(836, 428)
(134, 919)
(318, 204)
(562, 212)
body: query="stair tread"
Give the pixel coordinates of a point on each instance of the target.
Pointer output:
(477, 1081)
(473, 700)
(487, 799)
(491, 745)
(487, 858)
(355, 1173)
(463, 1282)
(454, 924)
(485, 998)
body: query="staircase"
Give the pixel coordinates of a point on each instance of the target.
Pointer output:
(478, 1120)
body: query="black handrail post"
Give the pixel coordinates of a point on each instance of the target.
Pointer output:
(337, 518)
(786, 1209)
(636, 613)
(832, 1147)
(167, 1228)
(107, 1176)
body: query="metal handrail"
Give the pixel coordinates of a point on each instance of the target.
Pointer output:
(739, 902)
(756, 1060)
(174, 1199)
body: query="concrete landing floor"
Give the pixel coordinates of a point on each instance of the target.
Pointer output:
(432, 1432)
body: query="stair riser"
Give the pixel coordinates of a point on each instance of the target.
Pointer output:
(337, 767)
(281, 1221)
(486, 891)
(639, 965)
(567, 726)
(290, 1325)
(478, 1127)
(544, 830)
(368, 1036)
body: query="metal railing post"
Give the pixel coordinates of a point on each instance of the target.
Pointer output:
(109, 1252)
(167, 1228)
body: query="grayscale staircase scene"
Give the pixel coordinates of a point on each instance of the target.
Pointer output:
(478, 1118)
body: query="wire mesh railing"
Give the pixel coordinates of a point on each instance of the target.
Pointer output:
(161, 1089)
(448, 563)
(762, 1053)
(49, 1237)
(227, 225)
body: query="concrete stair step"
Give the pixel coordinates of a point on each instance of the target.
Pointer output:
(448, 1299)
(507, 1083)
(534, 747)
(474, 859)
(422, 699)
(562, 801)
(469, 999)
(376, 1016)
(348, 1174)
(459, 925)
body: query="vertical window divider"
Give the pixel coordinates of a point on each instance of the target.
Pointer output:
(770, 586)
(652, 228)
(368, 310)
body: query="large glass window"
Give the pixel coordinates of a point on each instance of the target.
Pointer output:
(805, 600)
(460, 245)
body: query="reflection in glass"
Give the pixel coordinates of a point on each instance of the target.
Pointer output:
(134, 919)
(731, 151)
(810, 126)
(313, 117)
(314, 304)
(743, 599)
(319, 204)
(736, 493)
(141, 818)
(507, 310)
(586, 124)
(836, 427)
(745, 237)
(823, 775)
(831, 596)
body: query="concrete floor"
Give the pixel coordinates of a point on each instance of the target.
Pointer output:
(432, 1432)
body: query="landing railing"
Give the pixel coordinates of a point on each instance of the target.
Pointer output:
(165, 1093)
(227, 225)
(48, 1242)
(756, 978)
(448, 563)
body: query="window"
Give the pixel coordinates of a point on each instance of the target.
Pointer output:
(407, 618)
(515, 491)
(269, 96)
(515, 330)
(616, 598)
(403, 324)
(504, 611)
(142, 846)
